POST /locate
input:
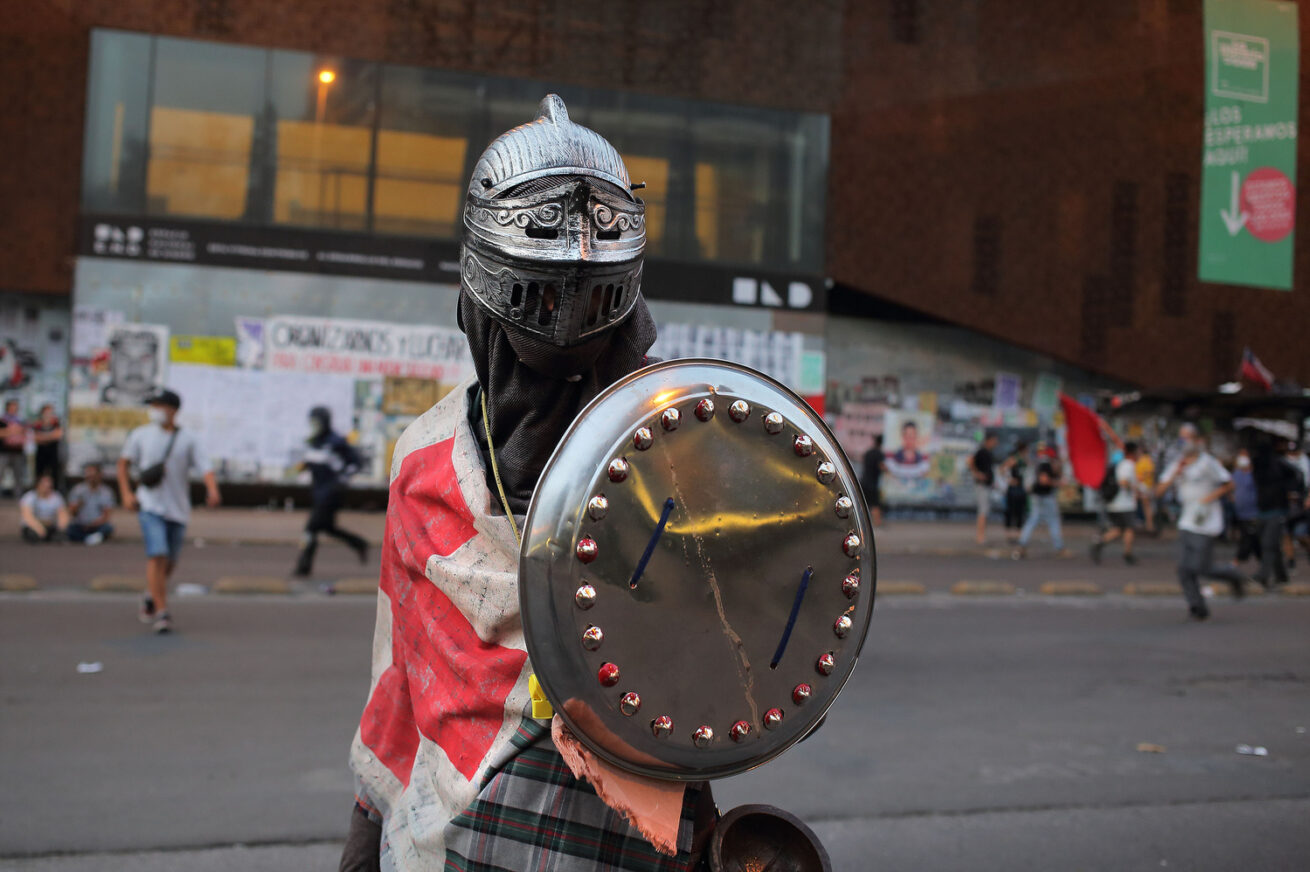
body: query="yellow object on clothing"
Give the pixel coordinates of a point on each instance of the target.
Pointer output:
(542, 710)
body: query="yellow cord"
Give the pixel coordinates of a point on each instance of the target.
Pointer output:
(495, 470)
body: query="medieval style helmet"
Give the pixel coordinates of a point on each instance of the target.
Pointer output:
(553, 236)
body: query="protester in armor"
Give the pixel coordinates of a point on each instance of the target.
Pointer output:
(452, 772)
(331, 461)
(43, 512)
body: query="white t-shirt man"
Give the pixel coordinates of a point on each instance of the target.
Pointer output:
(171, 498)
(1202, 477)
(1125, 473)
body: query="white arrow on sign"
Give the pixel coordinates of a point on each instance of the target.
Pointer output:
(1234, 218)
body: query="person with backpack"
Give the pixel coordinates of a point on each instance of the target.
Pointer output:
(1118, 493)
(163, 456)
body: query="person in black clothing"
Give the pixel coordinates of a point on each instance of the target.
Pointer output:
(875, 463)
(331, 461)
(983, 466)
(1016, 497)
(49, 433)
(1276, 485)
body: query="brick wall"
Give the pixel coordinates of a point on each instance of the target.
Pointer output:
(1026, 169)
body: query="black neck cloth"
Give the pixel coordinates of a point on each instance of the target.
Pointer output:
(535, 389)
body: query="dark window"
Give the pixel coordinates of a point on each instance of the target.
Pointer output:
(1123, 254)
(905, 21)
(986, 255)
(1176, 266)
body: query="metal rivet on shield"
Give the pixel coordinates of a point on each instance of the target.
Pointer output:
(739, 731)
(662, 727)
(773, 423)
(592, 637)
(670, 419)
(608, 674)
(850, 585)
(843, 506)
(824, 665)
(587, 549)
(643, 438)
(842, 626)
(618, 470)
(630, 703)
(773, 719)
(800, 694)
(739, 411)
(598, 507)
(585, 597)
(803, 445)
(851, 545)
(825, 471)
(705, 409)
(702, 737)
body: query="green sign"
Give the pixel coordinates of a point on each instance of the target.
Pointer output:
(1248, 171)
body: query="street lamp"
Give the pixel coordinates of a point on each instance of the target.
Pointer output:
(327, 77)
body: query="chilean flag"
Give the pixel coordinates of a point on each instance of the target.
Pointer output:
(1254, 371)
(1086, 445)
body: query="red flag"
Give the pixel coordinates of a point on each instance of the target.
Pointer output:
(1255, 371)
(1086, 445)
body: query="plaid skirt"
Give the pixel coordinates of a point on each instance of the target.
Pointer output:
(532, 814)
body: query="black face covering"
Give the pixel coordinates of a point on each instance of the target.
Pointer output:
(535, 389)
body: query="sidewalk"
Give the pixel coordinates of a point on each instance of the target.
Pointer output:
(263, 526)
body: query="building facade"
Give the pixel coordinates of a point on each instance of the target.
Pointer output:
(247, 199)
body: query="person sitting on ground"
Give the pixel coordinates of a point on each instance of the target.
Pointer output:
(91, 502)
(43, 511)
(1121, 509)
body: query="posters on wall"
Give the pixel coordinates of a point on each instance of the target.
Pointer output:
(1248, 168)
(34, 337)
(778, 354)
(1008, 389)
(248, 395)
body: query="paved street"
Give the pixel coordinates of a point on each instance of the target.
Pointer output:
(997, 728)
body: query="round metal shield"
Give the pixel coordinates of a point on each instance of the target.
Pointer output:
(697, 571)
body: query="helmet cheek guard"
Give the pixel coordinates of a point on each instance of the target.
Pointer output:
(553, 237)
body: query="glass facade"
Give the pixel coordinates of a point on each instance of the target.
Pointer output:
(212, 131)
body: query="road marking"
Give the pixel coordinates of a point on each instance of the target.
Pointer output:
(15, 583)
(982, 588)
(900, 588)
(1070, 588)
(252, 584)
(118, 584)
(1152, 588)
(1296, 588)
(362, 586)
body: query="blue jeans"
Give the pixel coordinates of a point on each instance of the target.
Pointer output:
(163, 537)
(1046, 508)
(78, 532)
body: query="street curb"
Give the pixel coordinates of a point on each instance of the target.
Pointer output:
(118, 584)
(15, 583)
(900, 588)
(236, 584)
(356, 586)
(1296, 588)
(982, 588)
(1218, 588)
(1070, 588)
(1152, 588)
